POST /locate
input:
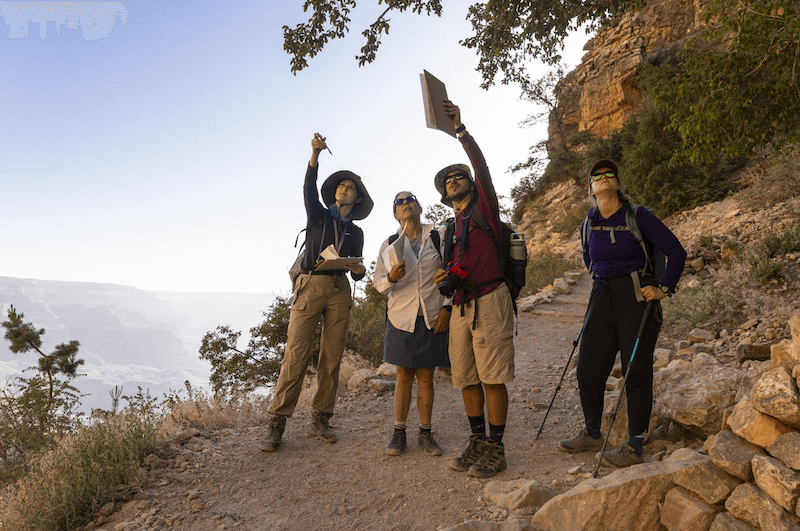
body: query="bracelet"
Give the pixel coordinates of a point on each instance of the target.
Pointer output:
(448, 307)
(389, 278)
(460, 128)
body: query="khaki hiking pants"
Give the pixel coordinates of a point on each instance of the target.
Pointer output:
(326, 296)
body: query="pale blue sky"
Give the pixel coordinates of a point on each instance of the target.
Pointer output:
(171, 154)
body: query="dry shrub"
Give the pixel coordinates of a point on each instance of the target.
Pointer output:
(68, 484)
(723, 302)
(773, 181)
(208, 413)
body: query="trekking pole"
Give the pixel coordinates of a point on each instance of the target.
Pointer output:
(558, 387)
(646, 315)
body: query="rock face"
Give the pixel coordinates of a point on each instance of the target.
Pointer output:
(601, 93)
(624, 500)
(696, 394)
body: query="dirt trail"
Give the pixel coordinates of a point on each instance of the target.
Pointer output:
(353, 485)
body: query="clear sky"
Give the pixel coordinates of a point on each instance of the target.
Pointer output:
(170, 154)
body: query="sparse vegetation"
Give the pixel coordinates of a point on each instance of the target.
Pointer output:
(542, 269)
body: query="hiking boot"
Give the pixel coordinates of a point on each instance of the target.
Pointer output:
(427, 443)
(275, 428)
(475, 449)
(581, 442)
(622, 456)
(491, 462)
(320, 428)
(398, 443)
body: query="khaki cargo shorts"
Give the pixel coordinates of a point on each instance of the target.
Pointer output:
(486, 354)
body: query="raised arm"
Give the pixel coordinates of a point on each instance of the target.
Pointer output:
(315, 210)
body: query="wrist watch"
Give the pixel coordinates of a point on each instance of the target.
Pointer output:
(666, 290)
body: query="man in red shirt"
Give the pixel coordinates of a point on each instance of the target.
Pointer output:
(481, 345)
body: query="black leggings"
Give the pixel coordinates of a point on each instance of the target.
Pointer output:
(612, 322)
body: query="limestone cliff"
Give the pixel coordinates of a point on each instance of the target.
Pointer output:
(603, 91)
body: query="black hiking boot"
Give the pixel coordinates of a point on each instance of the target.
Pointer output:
(470, 455)
(320, 427)
(275, 428)
(428, 444)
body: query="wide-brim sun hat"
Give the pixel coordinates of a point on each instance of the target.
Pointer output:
(361, 209)
(438, 181)
(605, 163)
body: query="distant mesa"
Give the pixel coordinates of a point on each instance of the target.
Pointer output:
(95, 18)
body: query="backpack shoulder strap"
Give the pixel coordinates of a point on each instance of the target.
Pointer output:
(437, 242)
(630, 220)
(393, 238)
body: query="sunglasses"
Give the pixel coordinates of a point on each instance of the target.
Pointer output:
(607, 175)
(404, 200)
(454, 177)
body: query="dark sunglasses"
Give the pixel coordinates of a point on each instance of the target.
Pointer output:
(454, 177)
(408, 199)
(607, 175)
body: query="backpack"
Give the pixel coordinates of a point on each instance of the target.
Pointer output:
(513, 270)
(655, 260)
(297, 266)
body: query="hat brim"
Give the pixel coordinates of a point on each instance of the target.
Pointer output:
(438, 181)
(361, 209)
(604, 163)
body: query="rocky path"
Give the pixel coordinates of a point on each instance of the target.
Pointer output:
(220, 480)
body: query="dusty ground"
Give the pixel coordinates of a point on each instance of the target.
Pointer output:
(228, 483)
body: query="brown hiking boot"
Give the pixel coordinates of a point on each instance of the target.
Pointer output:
(428, 444)
(491, 462)
(275, 431)
(622, 456)
(320, 427)
(581, 442)
(470, 456)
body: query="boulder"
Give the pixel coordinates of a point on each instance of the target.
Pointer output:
(381, 385)
(625, 500)
(725, 522)
(782, 355)
(749, 504)
(360, 379)
(700, 335)
(732, 454)
(794, 327)
(696, 395)
(707, 480)
(513, 495)
(776, 394)
(683, 512)
(387, 370)
(754, 426)
(561, 286)
(777, 481)
(787, 449)
(753, 351)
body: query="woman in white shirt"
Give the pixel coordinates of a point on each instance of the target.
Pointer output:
(417, 317)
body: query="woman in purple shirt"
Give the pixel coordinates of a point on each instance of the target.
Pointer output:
(621, 288)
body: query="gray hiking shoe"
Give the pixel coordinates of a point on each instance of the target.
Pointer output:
(581, 442)
(491, 462)
(320, 427)
(275, 428)
(470, 455)
(622, 456)
(427, 443)
(398, 443)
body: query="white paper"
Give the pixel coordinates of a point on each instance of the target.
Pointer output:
(393, 254)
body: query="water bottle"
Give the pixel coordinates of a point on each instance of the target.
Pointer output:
(518, 249)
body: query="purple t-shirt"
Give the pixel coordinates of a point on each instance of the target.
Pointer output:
(612, 260)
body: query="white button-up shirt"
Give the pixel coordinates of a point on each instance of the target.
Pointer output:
(416, 289)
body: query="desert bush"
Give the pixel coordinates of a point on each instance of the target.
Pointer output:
(68, 484)
(777, 179)
(542, 269)
(727, 302)
(368, 323)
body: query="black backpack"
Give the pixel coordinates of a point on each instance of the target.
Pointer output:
(513, 270)
(655, 260)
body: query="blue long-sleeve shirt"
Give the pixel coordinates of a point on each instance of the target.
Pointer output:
(611, 260)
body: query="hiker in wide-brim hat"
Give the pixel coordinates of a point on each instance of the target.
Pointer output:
(320, 294)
